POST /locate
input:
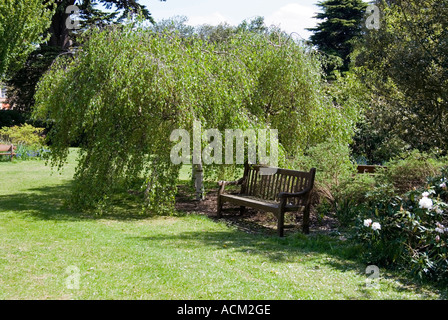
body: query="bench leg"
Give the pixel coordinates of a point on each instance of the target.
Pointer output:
(242, 210)
(280, 223)
(281, 217)
(306, 220)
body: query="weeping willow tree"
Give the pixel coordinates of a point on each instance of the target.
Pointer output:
(127, 88)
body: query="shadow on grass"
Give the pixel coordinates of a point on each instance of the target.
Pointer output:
(50, 203)
(46, 203)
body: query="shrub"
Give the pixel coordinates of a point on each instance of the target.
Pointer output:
(23, 135)
(382, 244)
(9, 118)
(350, 194)
(410, 170)
(332, 161)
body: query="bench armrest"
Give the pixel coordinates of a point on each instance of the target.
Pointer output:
(223, 184)
(230, 183)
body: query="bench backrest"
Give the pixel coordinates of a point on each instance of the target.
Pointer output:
(7, 147)
(269, 186)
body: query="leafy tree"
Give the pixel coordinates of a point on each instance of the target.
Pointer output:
(130, 87)
(219, 33)
(405, 65)
(338, 30)
(224, 31)
(255, 25)
(174, 24)
(22, 24)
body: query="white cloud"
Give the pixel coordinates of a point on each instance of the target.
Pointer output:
(293, 17)
(213, 19)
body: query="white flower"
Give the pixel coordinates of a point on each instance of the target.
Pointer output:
(443, 185)
(367, 222)
(425, 194)
(440, 230)
(425, 203)
(376, 226)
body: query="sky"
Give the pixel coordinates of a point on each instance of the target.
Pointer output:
(290, 16)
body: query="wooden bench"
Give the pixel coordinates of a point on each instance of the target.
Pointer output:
(7, 150)
(284, 191)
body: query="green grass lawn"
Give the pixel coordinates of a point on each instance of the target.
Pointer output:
(177, 257)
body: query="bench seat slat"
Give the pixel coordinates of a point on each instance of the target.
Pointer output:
(257, 203)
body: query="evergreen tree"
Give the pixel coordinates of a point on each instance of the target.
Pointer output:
(340, 27)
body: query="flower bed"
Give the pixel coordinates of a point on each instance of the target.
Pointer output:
(409, 231)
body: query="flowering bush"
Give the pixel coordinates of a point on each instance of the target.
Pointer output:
(373, 229)
(409, 232)
(24, 152)
(28, 140)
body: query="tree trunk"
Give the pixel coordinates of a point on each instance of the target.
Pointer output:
(58, 29)
(198, 176)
